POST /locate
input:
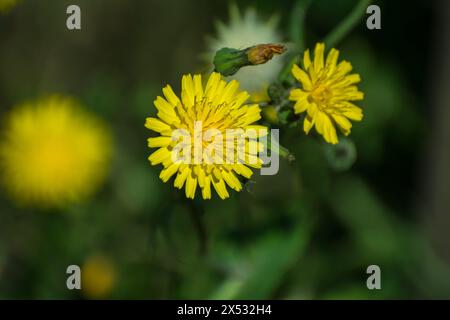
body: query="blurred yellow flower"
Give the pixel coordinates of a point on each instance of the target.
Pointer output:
(98, 277)
(326, 92)
(6, 5)
(53, 153)
(212, 111)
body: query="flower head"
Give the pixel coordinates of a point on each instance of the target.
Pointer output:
(52, 152)
(327, 89)
(246, 30)
(207, 137)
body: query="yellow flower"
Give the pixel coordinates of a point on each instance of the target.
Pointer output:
(206, 115)
(326, 92)
(6, 5)
(98, 276)
(53, 153)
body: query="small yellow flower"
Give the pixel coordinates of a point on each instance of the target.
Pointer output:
(53, 153)
(98, 277)
(207, 115)
(326, 92)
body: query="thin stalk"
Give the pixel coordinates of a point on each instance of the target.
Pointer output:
(280, 150)
(347, 24)
(297, 34)
(297, 24)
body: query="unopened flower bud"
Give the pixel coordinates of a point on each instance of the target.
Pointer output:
(262, 53)
(228, 61)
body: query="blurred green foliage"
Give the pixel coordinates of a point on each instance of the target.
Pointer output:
(308, 232)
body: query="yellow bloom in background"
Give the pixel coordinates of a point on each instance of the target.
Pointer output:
(98, 277)
(218, 107)
(327, 89)
(6, 5)
(53, 152)
(242, 31)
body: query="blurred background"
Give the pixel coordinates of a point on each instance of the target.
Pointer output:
(308, 232)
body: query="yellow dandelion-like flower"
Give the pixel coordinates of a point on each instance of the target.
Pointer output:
(219, 140)
(326, 92)
(53, 153)
(6, 5)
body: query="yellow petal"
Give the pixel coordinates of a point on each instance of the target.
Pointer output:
(217, 173)
(240, 98)
(159, 142)
(308, 124)
(243, 170)
(170, 95)
(201, 177)
(252, 161)
(181, 177)
(231, 180)
(343, 68)
(252, 115)
(198, 87)
(332, 58)
(156, 125)
(216, 98)
(312, 110)
(318, 56)
(159, 156)
(211, 85)
(166, 111)
(344, 124)
(187, 92)
(352, 112)
(220, 188)
(191, 186)
(352, 79)
(302, 76)
(297, 94)
(168, 172)
(301, 106)
(206, 190)
(326, 128)
(306, 59)
(229, 91)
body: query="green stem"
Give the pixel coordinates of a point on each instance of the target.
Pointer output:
(280, 150)
(347, 24)
(297, 33)
(196, 211)
(297, 24)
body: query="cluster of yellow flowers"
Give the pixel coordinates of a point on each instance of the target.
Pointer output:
(53, 153)
(326, 92)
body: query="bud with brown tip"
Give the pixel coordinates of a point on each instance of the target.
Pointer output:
(228, 61)
(262, 53)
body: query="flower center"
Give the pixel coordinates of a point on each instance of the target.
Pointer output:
(321, 95)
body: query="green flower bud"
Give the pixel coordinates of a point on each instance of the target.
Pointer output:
(228, 61)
